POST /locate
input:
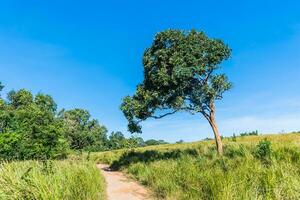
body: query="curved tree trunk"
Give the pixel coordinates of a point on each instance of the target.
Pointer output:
(213, 124)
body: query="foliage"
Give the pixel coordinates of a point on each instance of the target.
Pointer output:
(179, 75)
(263, 151)
(154, 142)
(36, 180)
(249, 133)
(9, 145)
(117, 140)
(29, 128)
(82, 131)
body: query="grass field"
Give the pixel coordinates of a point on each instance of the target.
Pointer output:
(51, 180)
(253, 167)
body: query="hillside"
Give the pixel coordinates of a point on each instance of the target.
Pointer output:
(253, 167)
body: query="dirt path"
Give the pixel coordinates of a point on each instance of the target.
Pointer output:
(119, 187)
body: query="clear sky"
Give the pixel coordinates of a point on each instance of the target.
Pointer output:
(88, 54)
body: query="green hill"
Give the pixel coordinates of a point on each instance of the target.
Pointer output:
(253, 167)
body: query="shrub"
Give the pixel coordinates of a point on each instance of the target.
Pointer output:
(263, 149)
(263, 152)
(9, 145)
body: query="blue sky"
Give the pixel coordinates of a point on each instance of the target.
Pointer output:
(88, 54)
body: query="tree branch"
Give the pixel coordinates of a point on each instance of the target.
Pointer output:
(161, 116)
(207, 76)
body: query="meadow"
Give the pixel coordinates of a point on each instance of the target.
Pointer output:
(253, 167)
(51, 180)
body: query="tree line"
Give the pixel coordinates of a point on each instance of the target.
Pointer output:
(31, 127)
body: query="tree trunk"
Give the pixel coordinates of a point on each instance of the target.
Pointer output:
(213, 124)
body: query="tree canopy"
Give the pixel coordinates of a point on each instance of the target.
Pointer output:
(82, 131)
(29, 128)
(179, 75)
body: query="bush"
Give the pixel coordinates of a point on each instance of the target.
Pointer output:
(263, 150)
(9, 145)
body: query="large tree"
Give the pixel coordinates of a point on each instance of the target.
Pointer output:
(179, 75)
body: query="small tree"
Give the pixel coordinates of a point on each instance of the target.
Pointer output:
(179, 75)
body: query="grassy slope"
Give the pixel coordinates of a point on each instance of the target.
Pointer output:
(194, 171)
(55, 180)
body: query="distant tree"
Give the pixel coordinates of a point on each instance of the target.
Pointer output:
(179, 142)
(207, 139)
(249, 133)
(117, 140)
(179, 75)
(162, 142)
(133, 142)
(234, 138)
(140, 141)
(81, 131)
(151, 142)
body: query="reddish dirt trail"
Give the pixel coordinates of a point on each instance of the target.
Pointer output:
(119, 187)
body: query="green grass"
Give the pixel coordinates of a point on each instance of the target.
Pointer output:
(194, 171)
(51, 180)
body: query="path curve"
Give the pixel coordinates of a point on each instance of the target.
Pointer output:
(119, 187)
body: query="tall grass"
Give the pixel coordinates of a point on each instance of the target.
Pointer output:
(251, 168)
(51, 180)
